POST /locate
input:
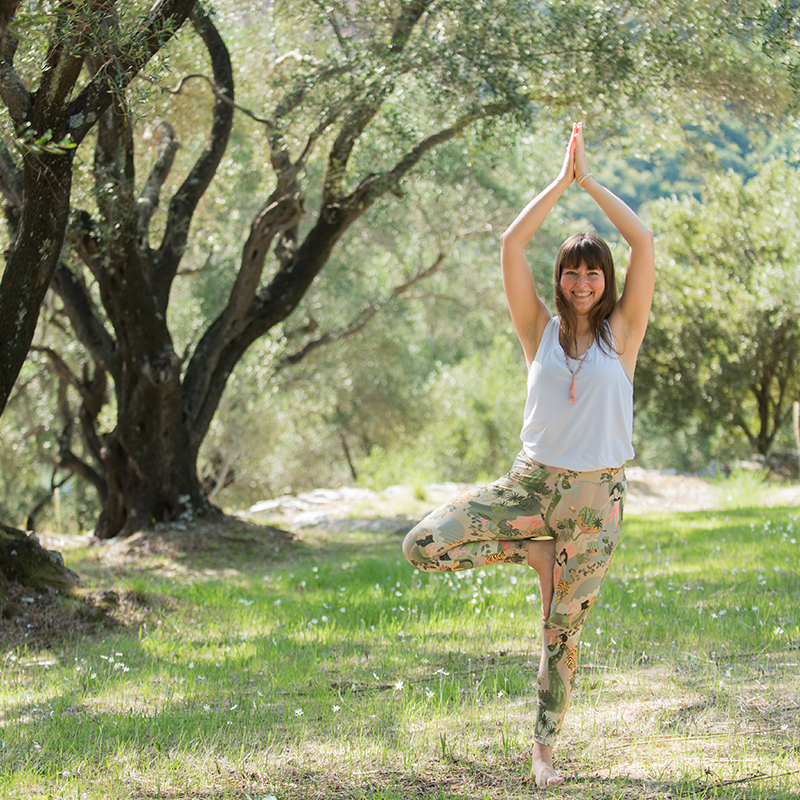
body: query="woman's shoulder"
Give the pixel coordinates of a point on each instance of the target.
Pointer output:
(552, 327)
(550, 332)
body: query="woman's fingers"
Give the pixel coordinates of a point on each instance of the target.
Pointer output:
(581, 164)
(568, 167)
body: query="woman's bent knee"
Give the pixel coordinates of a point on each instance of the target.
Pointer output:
(413, 548)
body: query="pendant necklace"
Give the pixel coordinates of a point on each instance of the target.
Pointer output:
(574, 373)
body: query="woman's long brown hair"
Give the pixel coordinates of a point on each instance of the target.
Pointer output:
(589, 249)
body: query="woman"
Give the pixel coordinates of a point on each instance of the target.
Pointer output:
(559, 509)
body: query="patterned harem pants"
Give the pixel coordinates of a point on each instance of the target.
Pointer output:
(582, 511)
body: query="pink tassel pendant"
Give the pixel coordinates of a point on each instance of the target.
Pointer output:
(572, 397)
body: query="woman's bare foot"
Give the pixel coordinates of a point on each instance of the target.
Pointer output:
(542, 558)
(542, 767)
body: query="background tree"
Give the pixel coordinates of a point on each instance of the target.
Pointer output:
(51, 108)
(724, 346)
(356, 95)
(51, 112)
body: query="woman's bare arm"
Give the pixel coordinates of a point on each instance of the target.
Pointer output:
(629, 318)
(528, 312)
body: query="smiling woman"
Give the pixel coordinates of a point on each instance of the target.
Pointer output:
(559, 509)
(585, 286)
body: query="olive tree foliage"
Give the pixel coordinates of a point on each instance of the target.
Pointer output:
(722, 355)
(349, 99)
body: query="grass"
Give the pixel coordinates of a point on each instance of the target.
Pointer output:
(743, 488)
(333, 670)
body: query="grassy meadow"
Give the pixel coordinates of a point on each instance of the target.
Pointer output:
(331, 669)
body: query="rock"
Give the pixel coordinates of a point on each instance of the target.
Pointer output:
(24, 560)
(106, 598)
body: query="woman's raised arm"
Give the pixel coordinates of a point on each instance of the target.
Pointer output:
(528, 311)
(629, 318)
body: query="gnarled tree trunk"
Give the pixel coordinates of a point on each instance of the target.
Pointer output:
(148, 463)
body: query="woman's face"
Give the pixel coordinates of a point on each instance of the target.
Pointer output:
(583, 287)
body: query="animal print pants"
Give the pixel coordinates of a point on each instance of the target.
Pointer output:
(582, 511)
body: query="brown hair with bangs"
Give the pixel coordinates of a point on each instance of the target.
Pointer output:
(589, 249)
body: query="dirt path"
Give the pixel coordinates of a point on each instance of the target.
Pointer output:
(653, 491)
(649, 491)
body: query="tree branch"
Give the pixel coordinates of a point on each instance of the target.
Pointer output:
(67, 459)
(278, 215)
(279, 152)
(91, 438)
(337, 30)
(184, 203)
(331, 336)
(81, 234)
(249, 316)
(373, 186)
(64, 62)
(741, 423)
(363, 318)
(164, 136)
(160, 24)
(60, 369)
(406, 22)
(224, 343)
(58, 366)
(30, 517)
(77, 466)
(114, 177)
(15, 96)
(373, 97)
(30, 264)
(89, 329)
(362, 113)
(12, 183)
(11, 178)
(8, 10)
(220, 95)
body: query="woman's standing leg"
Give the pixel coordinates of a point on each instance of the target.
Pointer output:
(588, 520)
(511, 521)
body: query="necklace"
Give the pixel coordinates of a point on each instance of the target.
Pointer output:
(574, 372)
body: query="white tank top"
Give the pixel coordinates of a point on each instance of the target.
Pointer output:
(593, 432)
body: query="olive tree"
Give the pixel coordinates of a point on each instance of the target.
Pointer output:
(91, 56)
(54, 95)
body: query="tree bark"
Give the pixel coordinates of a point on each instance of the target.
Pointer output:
(38, 204)
(150, 459)
(47, 177)
(149, 467)
(32, 261)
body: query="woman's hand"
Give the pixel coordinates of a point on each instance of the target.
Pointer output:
(581, 164)
(568, 169)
